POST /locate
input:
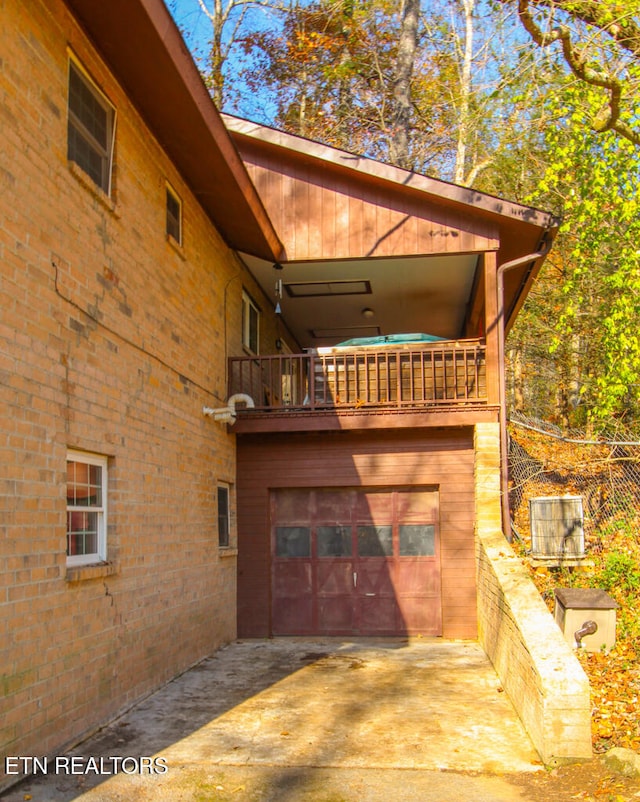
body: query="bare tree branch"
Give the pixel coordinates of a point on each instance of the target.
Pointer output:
(575, 56)
(618, 22)
(219, 13)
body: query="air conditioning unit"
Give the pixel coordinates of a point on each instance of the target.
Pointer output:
(557, 527)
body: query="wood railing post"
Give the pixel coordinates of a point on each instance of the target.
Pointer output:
(492, 321)
(449, 374)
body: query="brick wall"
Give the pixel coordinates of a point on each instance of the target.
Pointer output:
(538, 670)
(112, 339)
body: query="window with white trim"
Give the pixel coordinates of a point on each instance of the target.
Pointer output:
(91, 128)
(174, 215)
(250, 324)
(86, 508)
(224, 517)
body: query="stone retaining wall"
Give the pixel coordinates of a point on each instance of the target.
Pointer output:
(538, 670)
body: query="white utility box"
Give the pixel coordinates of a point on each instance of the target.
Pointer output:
(578, 609)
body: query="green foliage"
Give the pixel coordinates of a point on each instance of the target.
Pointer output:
(620, 574)
(593, 179)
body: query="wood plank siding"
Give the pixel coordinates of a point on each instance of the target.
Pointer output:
(335, 218)
(402, 458)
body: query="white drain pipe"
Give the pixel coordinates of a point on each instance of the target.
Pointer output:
(228, 414)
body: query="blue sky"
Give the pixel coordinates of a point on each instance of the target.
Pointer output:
(196, 29)
(191, 20)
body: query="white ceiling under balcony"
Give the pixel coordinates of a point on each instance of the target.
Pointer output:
(324, 303)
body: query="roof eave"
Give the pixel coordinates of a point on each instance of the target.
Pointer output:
(156, 70)
(445, 192)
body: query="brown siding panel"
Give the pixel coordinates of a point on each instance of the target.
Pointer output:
(365, 459)
(318, 215)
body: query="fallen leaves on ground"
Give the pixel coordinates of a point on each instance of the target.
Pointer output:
(585, 782)
(615, 696)
(566, 468)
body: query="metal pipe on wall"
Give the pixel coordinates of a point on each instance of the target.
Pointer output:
(502, 387)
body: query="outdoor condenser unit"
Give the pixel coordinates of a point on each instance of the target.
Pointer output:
(557, 527)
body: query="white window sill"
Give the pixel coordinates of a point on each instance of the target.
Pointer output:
(79, 573)
(227, 551)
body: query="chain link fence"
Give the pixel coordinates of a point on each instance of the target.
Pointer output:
(603, 470)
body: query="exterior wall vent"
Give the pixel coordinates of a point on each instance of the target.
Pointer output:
(557, 527)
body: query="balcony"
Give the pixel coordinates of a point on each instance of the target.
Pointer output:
(413, 378)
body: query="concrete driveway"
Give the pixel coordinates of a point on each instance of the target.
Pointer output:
(320, 720)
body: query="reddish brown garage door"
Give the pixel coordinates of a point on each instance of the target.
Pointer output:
(355, 562)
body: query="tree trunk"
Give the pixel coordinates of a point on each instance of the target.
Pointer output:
(517, 382)
(464, 126)
(407, 45)
(216, 79)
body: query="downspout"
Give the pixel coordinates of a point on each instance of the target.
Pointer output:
(502, 382)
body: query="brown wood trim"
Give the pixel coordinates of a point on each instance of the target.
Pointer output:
(248, 423)
(302, 149)
(492, 321)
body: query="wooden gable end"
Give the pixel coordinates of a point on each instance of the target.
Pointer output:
(324, 213)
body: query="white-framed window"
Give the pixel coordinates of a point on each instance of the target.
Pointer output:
(174, 215)
(250, 324)
(91, 128)
(224, 516)
(86, 508)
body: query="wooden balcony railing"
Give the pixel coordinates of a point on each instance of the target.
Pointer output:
(412, 376)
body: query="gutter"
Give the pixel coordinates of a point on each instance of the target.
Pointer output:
(544, 249)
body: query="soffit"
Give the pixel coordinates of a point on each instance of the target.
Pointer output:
(404, 295)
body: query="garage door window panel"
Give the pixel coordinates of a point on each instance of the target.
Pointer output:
(375, 541)
(293, 541)
(417, 540)
(334, 541)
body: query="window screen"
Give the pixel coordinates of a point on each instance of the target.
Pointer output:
(90, 129)
(223, 516)
(174, 216)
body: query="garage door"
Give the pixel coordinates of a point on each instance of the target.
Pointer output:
(355, 562)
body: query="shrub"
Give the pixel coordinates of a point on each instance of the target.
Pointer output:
(620, 573)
